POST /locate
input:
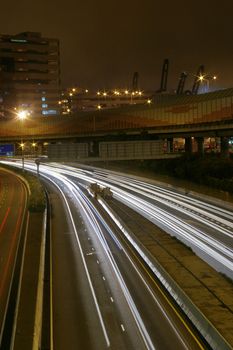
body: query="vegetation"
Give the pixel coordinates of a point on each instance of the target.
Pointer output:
(212, 170)
(37, 199)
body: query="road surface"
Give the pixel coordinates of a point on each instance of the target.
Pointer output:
(13, 197)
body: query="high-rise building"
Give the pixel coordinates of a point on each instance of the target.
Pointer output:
(29, 74)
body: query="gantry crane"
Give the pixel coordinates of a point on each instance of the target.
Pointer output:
(135, 81)
(180, 88)
(198, 79)
(163, 84)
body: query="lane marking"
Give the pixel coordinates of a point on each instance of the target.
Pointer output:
(164, 295)
(51, 283)
(83, 260)
(13, 241)
(4, 219)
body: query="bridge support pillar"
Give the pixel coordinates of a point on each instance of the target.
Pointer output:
(224, 146)
(170, 147)
(200, 145)
(188, 145)
(93, 149)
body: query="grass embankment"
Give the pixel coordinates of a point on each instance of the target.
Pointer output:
(210, 170)
(37, 199)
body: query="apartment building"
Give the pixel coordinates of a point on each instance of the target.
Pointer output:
(29, 74)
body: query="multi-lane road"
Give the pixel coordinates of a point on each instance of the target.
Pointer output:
(102, 294)
(13, 196)
(205, 227)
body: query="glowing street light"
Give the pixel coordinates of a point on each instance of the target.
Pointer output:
(22, 151)
(23, 114)
(206, 79)
(201, 78)
(34, 147)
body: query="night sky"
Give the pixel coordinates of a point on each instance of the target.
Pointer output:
(104, 42)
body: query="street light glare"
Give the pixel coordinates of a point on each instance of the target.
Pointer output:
(22, 114)
(201, 77)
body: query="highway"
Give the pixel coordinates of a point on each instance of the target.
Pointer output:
(12, 214)
(206, 227)
(102, 295)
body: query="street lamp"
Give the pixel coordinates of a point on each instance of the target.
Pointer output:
(206, 79)
(22, 115)
(22, 149)
(34, 148)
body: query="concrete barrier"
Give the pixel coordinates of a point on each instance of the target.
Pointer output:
(40, 288)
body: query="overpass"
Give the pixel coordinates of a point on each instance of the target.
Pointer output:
(167, 117)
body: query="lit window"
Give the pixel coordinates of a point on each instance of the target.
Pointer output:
(49, 112)
(43, 99)
(18, 40)
(44, 105)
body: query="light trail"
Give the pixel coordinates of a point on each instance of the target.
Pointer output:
(67, 188)
(201, 241)
(146, 198)
(87, 209)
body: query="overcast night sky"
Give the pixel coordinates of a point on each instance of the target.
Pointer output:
(103, 42)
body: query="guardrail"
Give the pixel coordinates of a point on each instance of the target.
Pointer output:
(40, 289)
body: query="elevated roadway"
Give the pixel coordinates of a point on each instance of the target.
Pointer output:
(168, 115)
(192, 118)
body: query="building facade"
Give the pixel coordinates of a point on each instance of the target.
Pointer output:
(29, 74)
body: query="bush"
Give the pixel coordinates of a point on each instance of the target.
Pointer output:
(211, 169)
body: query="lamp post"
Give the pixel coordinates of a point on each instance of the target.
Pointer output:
(34, 148)
(22, 114)
(206, 79)
(22, 149)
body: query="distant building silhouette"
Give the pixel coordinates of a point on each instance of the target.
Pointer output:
(29, 74)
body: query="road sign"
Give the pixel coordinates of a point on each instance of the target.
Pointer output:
(7, 150)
